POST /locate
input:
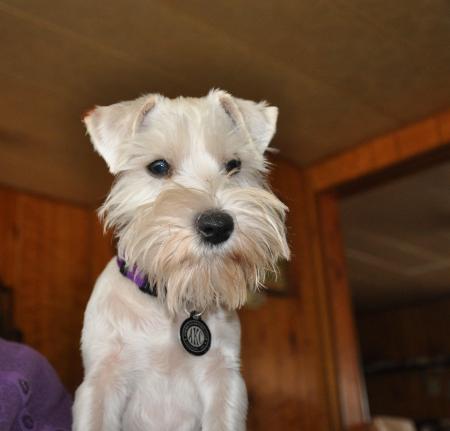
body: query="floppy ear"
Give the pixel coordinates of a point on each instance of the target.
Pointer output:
(110, 126)
(258, 119)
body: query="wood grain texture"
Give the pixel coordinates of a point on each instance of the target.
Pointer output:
(346, 407)
(323, 182)
(419, 331)
(292, 359)
(381, 153)
(46, 258)
(283, 342)
(9, 234)
(352, 392)
(53, 252)
(281, 369)
(443, 121)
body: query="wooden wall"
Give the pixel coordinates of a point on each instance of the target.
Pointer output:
(46, 257)
(282, 345)
(52, 251)
(405, 333)
(417, 144)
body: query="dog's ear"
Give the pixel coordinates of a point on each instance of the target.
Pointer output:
(110, 126)
(258, 119)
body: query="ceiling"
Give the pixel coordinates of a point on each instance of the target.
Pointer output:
(397, 240)
(341, 72)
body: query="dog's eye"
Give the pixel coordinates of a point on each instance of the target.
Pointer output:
(233, 165)
(159, 168)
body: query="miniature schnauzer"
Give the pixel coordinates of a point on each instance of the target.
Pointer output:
(196, 226)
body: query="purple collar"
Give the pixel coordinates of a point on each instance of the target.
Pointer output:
(137, 277)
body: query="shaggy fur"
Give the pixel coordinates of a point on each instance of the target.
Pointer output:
(137, 374)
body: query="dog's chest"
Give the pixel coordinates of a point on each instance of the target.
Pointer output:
(164, 401)
(170, 385)
(166, 387)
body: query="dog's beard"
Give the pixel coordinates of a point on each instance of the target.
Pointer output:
(161, 239)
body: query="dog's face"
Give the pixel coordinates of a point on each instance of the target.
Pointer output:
(190, 204)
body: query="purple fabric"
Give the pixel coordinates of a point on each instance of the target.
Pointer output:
(31, 396)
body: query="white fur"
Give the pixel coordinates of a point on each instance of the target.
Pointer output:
(137, 374)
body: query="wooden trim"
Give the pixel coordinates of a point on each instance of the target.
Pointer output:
(378, 154)
(401, 169)
(350, 381)
(317, 282)
(412, 147)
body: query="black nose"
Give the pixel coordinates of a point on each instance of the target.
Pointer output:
(215, 226)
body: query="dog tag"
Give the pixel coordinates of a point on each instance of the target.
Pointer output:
(194, 335)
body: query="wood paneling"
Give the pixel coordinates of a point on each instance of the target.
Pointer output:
(400, 333)
(283, 346)
(299, 360)
(52, 252)
(419, 331)
(339, 353)
(351, 385)
(324, 181)
(281, 367)
(45, 256)
(381, 153)
(9, 233)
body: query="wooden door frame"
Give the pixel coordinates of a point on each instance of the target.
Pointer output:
(410, 148)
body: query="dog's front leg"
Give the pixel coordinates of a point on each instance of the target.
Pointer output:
(100, 400)
(225, 401)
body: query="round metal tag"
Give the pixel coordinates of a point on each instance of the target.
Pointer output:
(195, 336)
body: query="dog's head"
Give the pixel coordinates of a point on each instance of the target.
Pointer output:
(190, 204)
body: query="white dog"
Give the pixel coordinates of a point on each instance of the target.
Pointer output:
(196, 225)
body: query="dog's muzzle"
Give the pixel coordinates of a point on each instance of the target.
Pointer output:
(214, 226)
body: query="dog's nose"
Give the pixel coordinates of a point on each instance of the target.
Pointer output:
(215, 226)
